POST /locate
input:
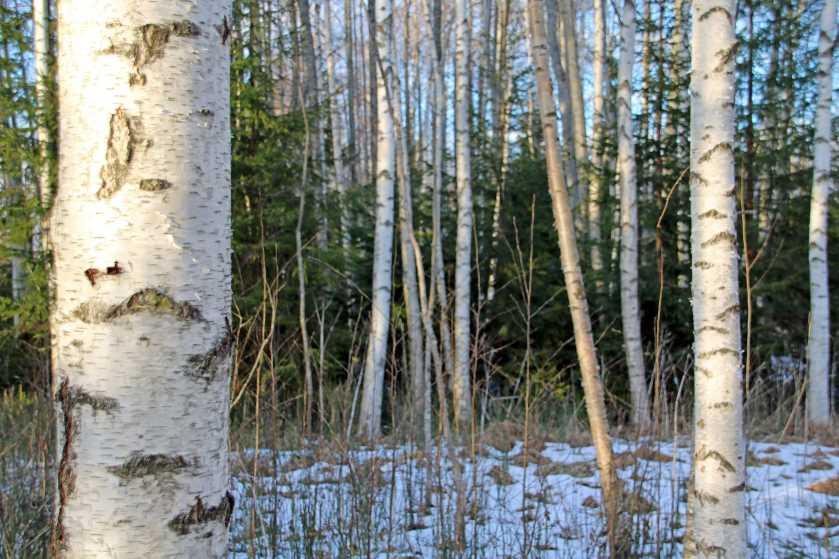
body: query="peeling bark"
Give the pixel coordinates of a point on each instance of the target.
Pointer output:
(155, 185)
(147, 300)
(147, 44)
(118, 156)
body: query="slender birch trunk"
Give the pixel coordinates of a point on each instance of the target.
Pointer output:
(339, 175)
(564, 223)
(141, 236)
(461, 385)
(41, 22)
(595, 200)
(554, 35)
(718, 523)
(438, 271)
(677, 105)
(370, 424)
(630, 309)
(349, 62)
(818, 344)
(413, 317)
(567, 15)
(500, 123)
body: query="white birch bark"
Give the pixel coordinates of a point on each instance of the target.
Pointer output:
(677, 104)
(818, 344)
(501, 87)
(339, 175)
(595, 201)
(564, 223)
(349, 63)
(577, 116)
(554, 35)
(410, 289)
(141, 238)
(438, 273)
(630, 309)
(461, 390)
(374, 368)
(717, 500)
(40, 21)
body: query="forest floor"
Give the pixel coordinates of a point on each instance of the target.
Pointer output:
(397, 501)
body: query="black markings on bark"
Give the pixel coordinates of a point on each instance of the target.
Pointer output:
(118, 155)
(722, 146)
(723, 237)
(738, 488)
(149, 300)
(155, 185)
(224, 30)
(721, 9)
(705, 454)
(712, 214)
(726, 56)
(733, 309)
(140, 465)
(205, 366)
(198, 515)
(704, 498)
(720, 351)
(716, 329)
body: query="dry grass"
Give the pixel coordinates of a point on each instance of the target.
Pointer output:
(827, 486)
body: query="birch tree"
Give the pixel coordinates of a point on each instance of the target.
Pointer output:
(410, 289)
(595, 202)
(461, 391)
(141, 236)
(41, 22)
(374, 369)
(567, 15)
(818, 343)
(716, 502)
(630, 310)
(564, 223)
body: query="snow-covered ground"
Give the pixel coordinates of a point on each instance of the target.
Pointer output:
(391, 502)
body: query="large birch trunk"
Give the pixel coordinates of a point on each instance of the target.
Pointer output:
(718, 526)
(374, 369)
(630, 309)
(564, 223)
(818, 344)
(141, 237)
(461, 390)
